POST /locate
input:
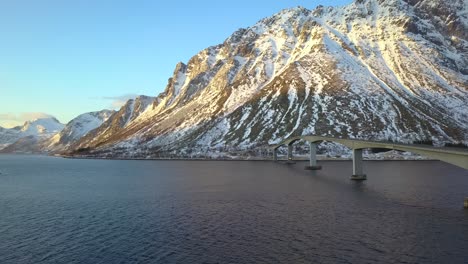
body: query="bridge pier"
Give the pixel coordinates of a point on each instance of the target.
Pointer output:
(466, 203)
(290, 152)
(358, 173)
(290, 155)
(275, 154)
(313, 157)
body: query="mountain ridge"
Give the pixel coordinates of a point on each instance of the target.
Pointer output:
(372, 69)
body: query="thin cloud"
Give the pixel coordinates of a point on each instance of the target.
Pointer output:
(119, 101)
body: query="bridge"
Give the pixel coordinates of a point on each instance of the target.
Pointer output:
(453, 156)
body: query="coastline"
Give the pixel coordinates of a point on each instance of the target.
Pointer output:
(299, 159)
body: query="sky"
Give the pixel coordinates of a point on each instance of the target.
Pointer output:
(64, 58)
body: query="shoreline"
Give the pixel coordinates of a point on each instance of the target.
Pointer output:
(297, 159)
(220, 159)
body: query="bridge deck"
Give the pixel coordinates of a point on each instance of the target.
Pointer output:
(456, 156)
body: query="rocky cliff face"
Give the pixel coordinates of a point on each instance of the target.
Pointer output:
(374, 69)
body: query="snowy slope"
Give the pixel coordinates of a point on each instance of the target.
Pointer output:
(373, 69)
(41, 127)
(133, 110)
(9, 135)
(75, 129)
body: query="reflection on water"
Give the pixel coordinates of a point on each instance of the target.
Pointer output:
(55, 210)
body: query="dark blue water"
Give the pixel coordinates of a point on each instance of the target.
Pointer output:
(55, 210)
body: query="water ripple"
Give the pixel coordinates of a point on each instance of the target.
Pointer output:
(87, 211)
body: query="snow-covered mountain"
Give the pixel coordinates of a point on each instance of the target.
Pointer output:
(41, 127)
(18, 138)
(75, 129)
(394, 69)
(135, 110)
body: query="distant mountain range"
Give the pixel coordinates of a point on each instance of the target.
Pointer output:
(33, 130)
(394, 69)
(46, 135)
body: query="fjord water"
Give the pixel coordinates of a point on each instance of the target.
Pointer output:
(55, 210)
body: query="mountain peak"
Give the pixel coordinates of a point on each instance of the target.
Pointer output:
(180, 67)
(294, 10)
(43, 125)
(77, 128)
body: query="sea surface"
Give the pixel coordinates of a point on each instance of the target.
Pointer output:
(56, 210)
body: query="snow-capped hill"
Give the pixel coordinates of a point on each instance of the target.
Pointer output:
(82, 124)
(373, 69)
(29, 134)
(41, 126)
(133, 110)
(77, 128)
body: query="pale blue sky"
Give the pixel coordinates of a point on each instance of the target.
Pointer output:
(64, 57)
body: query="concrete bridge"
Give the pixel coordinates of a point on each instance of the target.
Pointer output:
(453, 156)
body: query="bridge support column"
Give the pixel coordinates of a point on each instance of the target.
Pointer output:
(466, 203)
(358, 173)
(313, 157)
(275, 154)
(290, 154)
